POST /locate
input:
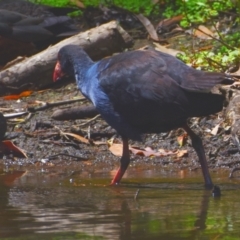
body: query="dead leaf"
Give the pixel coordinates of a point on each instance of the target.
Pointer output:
(77, 137)
(163, 152)
(99, 143)
(78, 3)
(8, 147)
(142, 152)
(182, 153)
(149, 27)
(170, 51)
(116, 149)
(149, 152)
(16, 97)
(167, 25)
(110, 142)
(215, 130)
(182, 139)
(203, 32)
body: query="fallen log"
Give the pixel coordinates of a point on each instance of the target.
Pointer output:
(85, 111)
(36, 72)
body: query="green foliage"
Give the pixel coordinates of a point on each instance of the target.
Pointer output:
(137, 6)
(212, 61)
(225, 52)
(58, 3)
(196, 11)
(233, 40)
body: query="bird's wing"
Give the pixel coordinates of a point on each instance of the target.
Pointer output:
(139, 87)
(189, 78)
(136, 77)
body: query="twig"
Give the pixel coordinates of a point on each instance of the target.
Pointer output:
(218, 64)
(136, 194)
(89, 121)
(5, 109)
(64, 154)
(89, 132)
(219, 34)
(14, 115)
(46, 105)
(75, 145)
(61, 132)
(223, 43)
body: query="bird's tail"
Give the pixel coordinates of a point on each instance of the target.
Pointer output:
(203, 104)
(204, 81)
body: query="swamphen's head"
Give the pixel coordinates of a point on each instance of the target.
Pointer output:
(72, 60)
(64, 65)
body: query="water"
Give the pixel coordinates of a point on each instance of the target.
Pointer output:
(166, 206)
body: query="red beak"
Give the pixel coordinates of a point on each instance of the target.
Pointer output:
(57, 74)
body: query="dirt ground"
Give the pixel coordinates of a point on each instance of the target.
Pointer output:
(47, 147)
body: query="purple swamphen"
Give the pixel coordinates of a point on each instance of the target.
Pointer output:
(144, 92)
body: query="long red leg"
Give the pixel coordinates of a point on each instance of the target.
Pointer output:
(124, 162)
(198, 146)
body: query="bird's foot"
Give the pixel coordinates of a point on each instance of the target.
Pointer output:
(113, 183)
(118, 176)
(216, 191)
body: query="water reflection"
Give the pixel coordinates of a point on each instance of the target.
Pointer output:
(36, 209)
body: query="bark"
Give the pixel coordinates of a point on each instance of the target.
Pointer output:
(232, 114)
(36, 72)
